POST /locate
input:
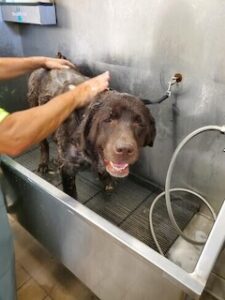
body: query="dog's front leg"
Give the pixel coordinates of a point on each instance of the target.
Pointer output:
(107, 181)
(68, 174)
(43, 165)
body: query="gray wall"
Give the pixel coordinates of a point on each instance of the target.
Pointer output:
(10, 40)
(12, 92)
(143, 43)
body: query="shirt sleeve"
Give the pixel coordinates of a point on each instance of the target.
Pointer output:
(3, 114)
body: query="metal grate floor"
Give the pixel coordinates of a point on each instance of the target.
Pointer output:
(127, 206)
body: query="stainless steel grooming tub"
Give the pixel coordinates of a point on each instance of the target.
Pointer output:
(112, 263)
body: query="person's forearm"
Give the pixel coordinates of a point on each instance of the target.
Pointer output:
(22, 129)
(13, 67)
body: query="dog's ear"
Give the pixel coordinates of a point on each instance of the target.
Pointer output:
(151, 131)
(86, 132)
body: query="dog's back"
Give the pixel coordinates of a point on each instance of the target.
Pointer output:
(44, 85)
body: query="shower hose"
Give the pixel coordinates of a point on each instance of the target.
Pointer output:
(168, 190)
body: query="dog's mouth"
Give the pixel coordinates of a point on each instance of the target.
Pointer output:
(117, 169)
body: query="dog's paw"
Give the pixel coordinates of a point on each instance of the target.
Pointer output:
(109, 188)
(43, 168)
(55, 161)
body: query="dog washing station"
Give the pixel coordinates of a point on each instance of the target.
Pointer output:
(105, 240)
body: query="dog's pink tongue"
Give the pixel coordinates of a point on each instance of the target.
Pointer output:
(117, 169)
(119, 165)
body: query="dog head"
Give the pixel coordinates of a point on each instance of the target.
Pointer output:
(115, 127)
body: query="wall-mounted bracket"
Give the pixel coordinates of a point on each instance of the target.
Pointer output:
(41, 13)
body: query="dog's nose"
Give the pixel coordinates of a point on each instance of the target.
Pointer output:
(124, 149)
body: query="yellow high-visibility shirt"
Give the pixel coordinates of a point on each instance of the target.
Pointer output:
(3, 114)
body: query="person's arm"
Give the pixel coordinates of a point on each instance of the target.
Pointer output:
(11, 67)
(22, 129)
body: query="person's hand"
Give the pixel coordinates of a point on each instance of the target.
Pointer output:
(90, 88)
(99, 83)
(56, 63)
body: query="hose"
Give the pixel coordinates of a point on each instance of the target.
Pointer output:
(147, 101)
(168, 190)
(159, 197)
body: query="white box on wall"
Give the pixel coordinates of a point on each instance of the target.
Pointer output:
(42, 13)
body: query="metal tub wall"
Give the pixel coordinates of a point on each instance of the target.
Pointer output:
(113, 264)
(143, 43)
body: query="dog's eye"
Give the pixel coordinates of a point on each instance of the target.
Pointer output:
(113, 116)
(108, 120)
(138, 120)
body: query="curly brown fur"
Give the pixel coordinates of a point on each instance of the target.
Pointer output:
(108, 134)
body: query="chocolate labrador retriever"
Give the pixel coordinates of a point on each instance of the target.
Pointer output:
(108, 134)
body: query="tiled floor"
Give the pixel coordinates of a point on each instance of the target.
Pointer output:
(39, 276)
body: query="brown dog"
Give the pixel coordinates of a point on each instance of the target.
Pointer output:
(108, 134)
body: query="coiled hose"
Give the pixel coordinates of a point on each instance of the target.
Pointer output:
(168, 190)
